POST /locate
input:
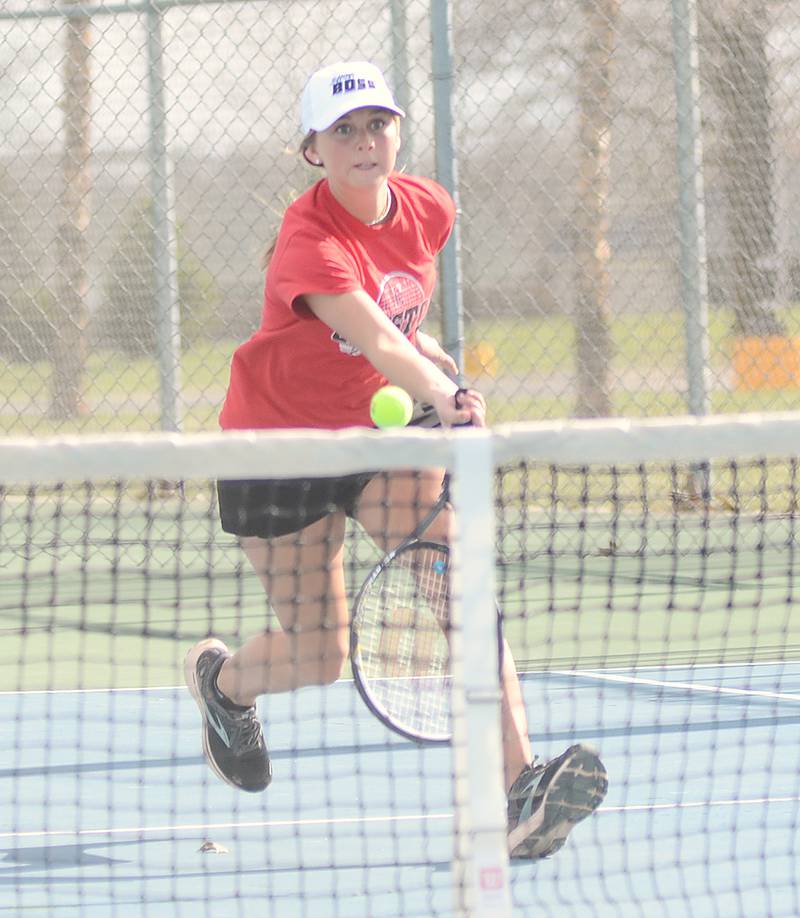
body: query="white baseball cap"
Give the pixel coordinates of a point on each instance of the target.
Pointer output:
(338, 89)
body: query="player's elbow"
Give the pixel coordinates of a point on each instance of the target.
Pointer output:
(380, 348)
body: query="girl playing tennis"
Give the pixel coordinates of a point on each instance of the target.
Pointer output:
(349, 281)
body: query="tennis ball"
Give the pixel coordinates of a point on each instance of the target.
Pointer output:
(391, 406)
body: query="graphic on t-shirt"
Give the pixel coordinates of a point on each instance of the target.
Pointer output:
(402, 298)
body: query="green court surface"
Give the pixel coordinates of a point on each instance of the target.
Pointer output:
(101, 587)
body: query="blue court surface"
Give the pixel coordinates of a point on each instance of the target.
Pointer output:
(108, 808)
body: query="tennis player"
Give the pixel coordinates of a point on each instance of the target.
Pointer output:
(349, 280)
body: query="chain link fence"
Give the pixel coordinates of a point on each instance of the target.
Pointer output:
(626, 171)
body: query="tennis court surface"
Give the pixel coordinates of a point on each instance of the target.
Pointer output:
(701, 815)
(650, 606)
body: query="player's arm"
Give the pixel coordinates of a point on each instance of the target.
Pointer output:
(358, 318)
(429, 347)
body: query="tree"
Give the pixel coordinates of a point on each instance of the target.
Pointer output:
(72, 279)
(126, 321)
(592, 247)
(737, 39)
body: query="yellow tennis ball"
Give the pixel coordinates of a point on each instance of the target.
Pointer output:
(391, 406)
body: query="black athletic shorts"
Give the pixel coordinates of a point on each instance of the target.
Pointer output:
(273, 507)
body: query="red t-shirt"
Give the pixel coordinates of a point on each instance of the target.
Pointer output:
(295, 371)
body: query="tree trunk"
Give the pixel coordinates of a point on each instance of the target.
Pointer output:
(72, 281)
(742, 85)
(592, 248)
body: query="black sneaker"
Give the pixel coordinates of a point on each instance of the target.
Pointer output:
(546, 801)
(233, 741)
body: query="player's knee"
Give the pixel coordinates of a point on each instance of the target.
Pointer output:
(439, 530)
(332, 659)
(331, 668)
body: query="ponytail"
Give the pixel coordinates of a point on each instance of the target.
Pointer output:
(265, 259)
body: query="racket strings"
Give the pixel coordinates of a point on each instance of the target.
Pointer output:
(404, 658)
(408, 611)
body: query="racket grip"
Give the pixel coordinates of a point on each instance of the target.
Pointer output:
(457, 396)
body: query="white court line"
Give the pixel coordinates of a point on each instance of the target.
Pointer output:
(366, 820)
(695, 804)
(216, 826)
(784, 664)
(94, 691)
(752, 664)
(665, 683)
(113, 691)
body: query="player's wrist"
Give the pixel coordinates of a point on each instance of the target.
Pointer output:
(442, 386)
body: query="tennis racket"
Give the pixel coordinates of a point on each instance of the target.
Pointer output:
(399, 636)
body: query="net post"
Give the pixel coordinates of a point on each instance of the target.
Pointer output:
(480, 868)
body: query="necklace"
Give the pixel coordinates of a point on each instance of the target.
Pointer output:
(385, 214)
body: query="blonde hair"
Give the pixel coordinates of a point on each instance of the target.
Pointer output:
(305, 143)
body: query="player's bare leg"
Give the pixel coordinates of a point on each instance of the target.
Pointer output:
(304, 579)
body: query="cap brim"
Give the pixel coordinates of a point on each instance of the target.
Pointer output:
(319, 126)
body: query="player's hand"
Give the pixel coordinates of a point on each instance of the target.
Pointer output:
(465, 406)
(429, 347)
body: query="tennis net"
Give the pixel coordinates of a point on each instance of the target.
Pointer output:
(645, 575)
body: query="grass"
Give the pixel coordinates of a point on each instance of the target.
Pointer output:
(122, 394)
(546, 345)
(648, 366)
(534, 377)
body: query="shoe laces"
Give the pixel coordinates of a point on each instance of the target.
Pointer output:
(523, 789)
(522, 785)
(246, 729)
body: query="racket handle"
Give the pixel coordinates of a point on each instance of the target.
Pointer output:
(457, 396)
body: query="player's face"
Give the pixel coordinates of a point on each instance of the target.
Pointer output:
(360, 149)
